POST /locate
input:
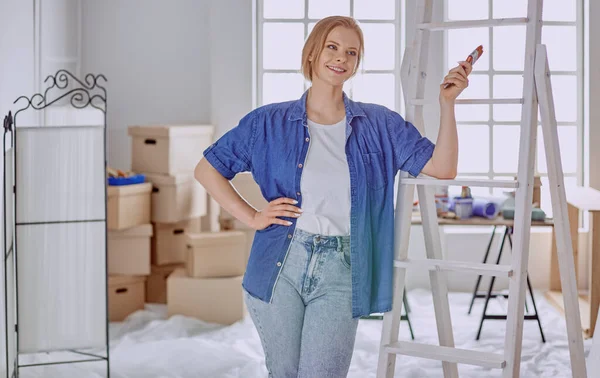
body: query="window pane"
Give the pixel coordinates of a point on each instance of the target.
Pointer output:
(506, 148)
(282, 45)
(564, 90)
(472, 113)
(467, 9)
(507, 112)
(374, 88)
(283, 9)
(320, 9)
(509, 48)
(561, 44)
(379, 46)
(559, 10)
(508, 86)
(473, 154)
(509, 8)
(462, 42)
(479, 87)
(278, 87)
(567, 139)
(374, 9)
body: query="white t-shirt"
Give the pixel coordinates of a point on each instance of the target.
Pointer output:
(325, 182)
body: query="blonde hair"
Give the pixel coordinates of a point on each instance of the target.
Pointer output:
(316, 40)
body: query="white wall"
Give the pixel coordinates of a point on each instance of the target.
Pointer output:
(16, 78)
(16, 46)
(156, 57)
(35, 40)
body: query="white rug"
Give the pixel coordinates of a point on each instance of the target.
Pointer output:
(147, 345)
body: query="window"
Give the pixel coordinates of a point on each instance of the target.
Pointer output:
(283, 26)
(489, 134)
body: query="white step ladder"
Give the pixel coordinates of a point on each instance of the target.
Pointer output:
(536, 91)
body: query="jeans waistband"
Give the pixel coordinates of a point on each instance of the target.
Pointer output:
(340, 243)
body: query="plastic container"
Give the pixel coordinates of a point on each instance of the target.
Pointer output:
(463, 207)
(119, 181)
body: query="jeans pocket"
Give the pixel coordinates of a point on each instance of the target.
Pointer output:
(345, 257)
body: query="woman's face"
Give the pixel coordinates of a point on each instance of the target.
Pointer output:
(339, 57)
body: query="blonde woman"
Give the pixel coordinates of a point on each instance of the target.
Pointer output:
(323, 251)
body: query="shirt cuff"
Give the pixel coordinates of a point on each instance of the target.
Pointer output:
(218, 165)
(421, 158)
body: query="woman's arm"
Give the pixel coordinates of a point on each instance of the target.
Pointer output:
(225, 194)
(444, 162)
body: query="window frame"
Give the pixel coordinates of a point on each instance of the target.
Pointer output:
(491, 73)
(257, 51)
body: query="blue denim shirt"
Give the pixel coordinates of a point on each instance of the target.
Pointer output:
(272, 142)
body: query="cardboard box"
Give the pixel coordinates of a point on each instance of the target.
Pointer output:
(168, 241)
(245, 185)
(128, 205)
(214, 300)
(129, 251)
(126, 295)
(168, 149)
(216, 254)
(156, 283)
(176, 198)
(194, 225)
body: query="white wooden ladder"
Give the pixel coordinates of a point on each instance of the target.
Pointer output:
(536, 91)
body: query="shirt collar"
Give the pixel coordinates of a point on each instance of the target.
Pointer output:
(298, 111)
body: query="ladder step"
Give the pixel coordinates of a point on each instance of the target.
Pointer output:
(474, 101)
(459, 266)
(483, 183)
(467, 24)
(441, 353)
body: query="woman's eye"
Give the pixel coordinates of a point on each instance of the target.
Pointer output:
(331, 46)
(352, 53)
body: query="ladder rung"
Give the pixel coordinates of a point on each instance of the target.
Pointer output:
(459, 266)
(483, 183)
(466, 24)
(441, 353)
(473, 101)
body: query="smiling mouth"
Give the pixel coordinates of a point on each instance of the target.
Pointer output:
(336, 69)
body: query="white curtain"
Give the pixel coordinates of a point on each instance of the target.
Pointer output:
(61, 266)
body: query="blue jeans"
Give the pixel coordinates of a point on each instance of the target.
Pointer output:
(307, 330)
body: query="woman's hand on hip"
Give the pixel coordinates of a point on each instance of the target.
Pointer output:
(280, 207)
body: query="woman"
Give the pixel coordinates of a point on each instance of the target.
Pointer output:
(322, 255)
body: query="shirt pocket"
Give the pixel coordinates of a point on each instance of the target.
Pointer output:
(375, 170)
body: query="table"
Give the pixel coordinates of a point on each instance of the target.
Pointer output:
(581, 199)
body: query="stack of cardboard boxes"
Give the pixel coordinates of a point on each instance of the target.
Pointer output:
(157, 251)
(128, 244)
(147, 222)
(167, 156)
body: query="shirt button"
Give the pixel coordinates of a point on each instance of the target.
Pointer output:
(278, 263)
(289, 236)
(298, 193)
(300, 165)
(307, 139)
